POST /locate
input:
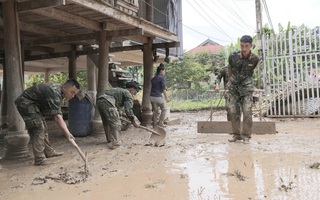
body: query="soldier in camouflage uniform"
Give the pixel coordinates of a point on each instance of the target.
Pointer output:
(43, 100)
(241, 68)
(108, 105)
(223, 74)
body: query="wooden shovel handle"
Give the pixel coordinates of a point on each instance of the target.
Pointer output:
(78, 149)
(143, 127)
(148, 129)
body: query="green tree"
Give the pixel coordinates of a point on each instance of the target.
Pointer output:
(60, 78)
(190, 71)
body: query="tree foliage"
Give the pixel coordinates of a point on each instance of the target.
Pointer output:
(59, 78)
(192, 70)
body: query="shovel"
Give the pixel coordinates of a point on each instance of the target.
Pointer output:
(159, 134)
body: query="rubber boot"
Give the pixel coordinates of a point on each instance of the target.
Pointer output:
(115, 141)
(246, 140)
(161, 124)
(107, 132)
(235, 138)
(53, 154)
(40, 160)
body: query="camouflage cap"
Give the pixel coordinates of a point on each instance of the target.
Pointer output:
(133, 84)
(246, 38)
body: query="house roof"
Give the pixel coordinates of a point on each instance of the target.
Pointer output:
(49, 30)
(208, 42)
(207, 45)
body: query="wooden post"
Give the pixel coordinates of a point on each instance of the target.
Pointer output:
(47, 76)
(92, 88)
(91, 75)
(4, 96)
(148, 74)
(103, 73)
(72, 63)
(17, 139)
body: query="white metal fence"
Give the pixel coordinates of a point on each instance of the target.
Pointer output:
(291, 73)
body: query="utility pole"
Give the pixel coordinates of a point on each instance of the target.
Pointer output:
(259, 46)
(259, 39)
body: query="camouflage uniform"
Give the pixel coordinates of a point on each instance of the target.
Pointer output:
(223, 74)
(108, 105)
(33, 105)
(240, 91)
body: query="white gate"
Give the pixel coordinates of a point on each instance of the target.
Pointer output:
(291, 73)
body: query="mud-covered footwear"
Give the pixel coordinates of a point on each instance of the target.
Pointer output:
(235, 138)
(54, 154)
(161, 124)
(110, 145)
(40, 161)
(246, 140)
(116, 143)
(113, 145)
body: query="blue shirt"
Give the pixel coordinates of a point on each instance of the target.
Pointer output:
(158, 84)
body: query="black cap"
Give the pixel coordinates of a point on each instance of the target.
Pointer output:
(161, 67)
(246, 38)
(133, 84)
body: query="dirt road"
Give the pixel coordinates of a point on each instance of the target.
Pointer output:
(190, 165)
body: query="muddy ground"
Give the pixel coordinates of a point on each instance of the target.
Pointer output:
(191, 165)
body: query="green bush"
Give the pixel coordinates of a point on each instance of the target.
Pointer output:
(191, 105)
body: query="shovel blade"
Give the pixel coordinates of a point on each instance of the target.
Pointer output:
(158, 138)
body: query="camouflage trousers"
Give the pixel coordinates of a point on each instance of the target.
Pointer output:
(241, 105)
(110, 117)
(156, 103)
(37, 129)
(226, 98)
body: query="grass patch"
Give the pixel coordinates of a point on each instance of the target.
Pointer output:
(193, 105)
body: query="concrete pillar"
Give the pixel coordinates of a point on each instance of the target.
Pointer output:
(17, 138)
(103, 75)
(72, 63)
(146, 109)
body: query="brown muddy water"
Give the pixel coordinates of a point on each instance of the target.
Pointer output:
(191, 165)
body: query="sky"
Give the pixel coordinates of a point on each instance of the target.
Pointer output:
(224, 21)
